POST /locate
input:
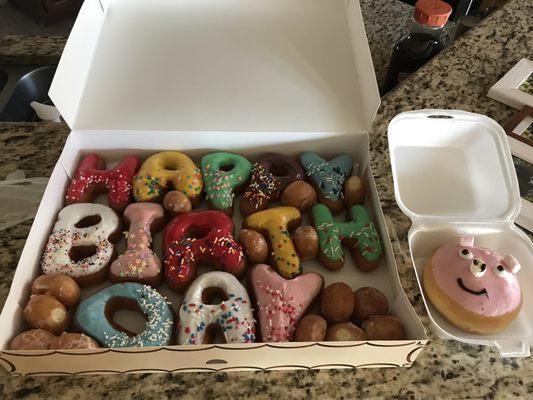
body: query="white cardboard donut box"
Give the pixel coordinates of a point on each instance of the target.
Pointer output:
(196, 76)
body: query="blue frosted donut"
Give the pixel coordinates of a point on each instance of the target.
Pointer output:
(94, 314)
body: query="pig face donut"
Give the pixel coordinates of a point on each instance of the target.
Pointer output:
(94, 316)
(92, 179)
(169, 169)
(139, 263)
(328, 177)
(204, 237)
(233, 317)
(475, 288)
(281, 302)
(270, 175)
(275, 224)
(80, 245)
(224, 173)
(358, 234)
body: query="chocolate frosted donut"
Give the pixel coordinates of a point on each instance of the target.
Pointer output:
(271, 174)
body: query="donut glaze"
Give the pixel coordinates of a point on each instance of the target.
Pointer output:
(270, 175)
(281, 302)
(167, 169)
(200, 237)
(328, 176)
(232, 316)
(220, 184)
(274, 224)
(91, 179)
(93, 316)
(139, 263)
(493, 294)
(65, 235)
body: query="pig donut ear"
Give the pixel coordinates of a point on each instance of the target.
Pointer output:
(512, 263)
(467, 241)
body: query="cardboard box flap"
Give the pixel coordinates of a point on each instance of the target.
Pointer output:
(452, 165)
(224, 65)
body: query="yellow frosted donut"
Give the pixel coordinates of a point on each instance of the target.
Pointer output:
(169, 169)
(275, 224)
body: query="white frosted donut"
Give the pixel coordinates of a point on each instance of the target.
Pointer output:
(65, 235)
(233, 316)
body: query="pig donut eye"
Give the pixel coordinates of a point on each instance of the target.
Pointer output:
(500, 270)
(478, 268)
(466, 254)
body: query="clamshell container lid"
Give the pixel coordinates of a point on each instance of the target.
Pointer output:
(218, 65)
(454, 176)
(452, 166)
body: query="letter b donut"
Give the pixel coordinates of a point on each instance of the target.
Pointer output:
(80, 245)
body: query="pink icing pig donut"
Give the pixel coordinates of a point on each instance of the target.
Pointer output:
(139, 263)
(476, 289)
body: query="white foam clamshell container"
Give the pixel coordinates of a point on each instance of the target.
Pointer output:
(454, 176)
(196, 76)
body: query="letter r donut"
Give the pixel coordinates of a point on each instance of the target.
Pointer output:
(200, 237)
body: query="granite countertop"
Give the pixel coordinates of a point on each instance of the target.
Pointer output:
(458, 78)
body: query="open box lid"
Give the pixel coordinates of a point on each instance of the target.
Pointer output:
(453, 166)
(217, 65)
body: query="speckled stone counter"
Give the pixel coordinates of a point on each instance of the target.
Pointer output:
(458, 78)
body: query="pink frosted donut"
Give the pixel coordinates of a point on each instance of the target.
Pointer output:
(474, 288)
(281, 303)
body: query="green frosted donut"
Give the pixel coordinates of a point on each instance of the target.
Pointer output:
(360, 231)
(219, 184)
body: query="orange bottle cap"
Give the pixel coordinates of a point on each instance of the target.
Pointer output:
(432, 12)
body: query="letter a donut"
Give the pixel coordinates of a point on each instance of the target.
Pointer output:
(169, 169)
(232, 317)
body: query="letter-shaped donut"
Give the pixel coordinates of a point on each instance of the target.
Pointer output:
(92, 179)
(232, 317)
(281, 302)
(359, 234)
(139, 263)
(200, 237)
(67, 241)
(219, 183)
(94, 316)
(328, 177)
(275, 224)
(168, 169)
(270, 176)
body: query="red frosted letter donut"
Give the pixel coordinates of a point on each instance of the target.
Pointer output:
(204, 237)
(92, 179)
